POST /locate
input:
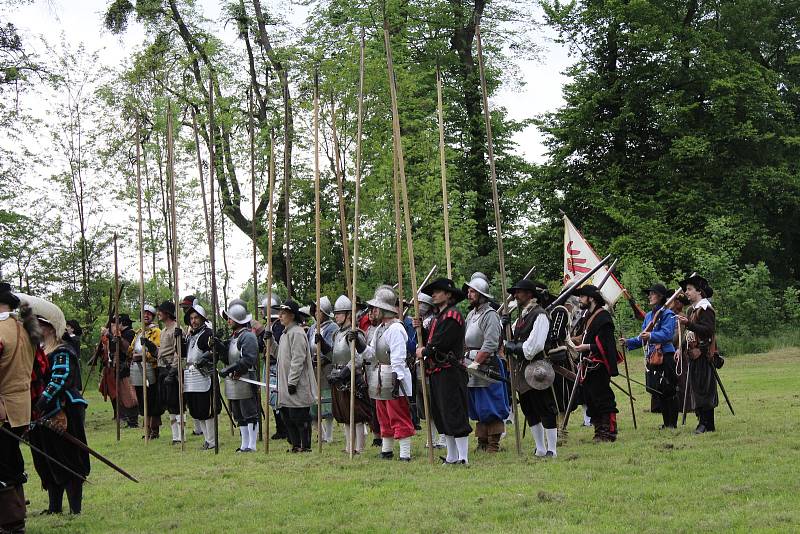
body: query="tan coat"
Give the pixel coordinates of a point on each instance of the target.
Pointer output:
(16, 364)
(294, 367)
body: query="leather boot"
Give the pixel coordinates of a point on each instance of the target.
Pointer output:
(494, 430)
(481, 434)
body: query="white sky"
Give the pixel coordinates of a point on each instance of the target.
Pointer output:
(81, 21)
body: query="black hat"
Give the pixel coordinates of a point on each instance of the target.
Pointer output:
(76, 327)
(167, 307)
(188, 301)
(124, 319)
(590, 291)
(524, 285)
(656, 288)
(699, 283)
(291, 306)
(7, 297)
(444, 284)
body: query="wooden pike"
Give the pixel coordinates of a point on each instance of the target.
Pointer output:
(317, 259)
(268, 319)
(141, 279)
(356, 222)
(340, 188)
(398, 147)
(211, 256)
(496, 201)
(443, 167)
(116, 334)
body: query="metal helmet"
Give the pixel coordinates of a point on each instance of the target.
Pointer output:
(237, 301)
(326, 307)
(270, 306)
(424, 299)
(342, 304)
(150, 309)
(479, 283)
(198, 309)
(540, 374)
(237, 312)
(479, 274)
(385, 299)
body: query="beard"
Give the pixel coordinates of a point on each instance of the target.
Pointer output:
(585, 305)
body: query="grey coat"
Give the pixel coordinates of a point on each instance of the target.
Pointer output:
(294, 367)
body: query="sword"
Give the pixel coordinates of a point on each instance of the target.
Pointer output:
(81, 445)
(257, 383)
(40, 451)
(484, 373)
(724, 393)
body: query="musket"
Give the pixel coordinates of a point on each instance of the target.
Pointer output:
(81, 445)
(423, 284)
(666, 305)
(40, 451)
(608, 274)
(648, 388)
(570, 289)
(569, 375)
(724, 393)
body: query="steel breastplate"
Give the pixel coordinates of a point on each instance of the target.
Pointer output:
(473, 337)
(379, 380)
(382, 353)
(236, 389)
(341, 349)
(193, 353)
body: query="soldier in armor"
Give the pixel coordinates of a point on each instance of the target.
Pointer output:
(599, 363)
(700, 348)
(388, 376)
(197, 375)
(488, 403)
(186, 305)
(167, 371)
(527, 345)
(18, 341)
(297, 386)
(240, 354)
(339, 378)
(144, 360)
(325, 338)
(442, 357)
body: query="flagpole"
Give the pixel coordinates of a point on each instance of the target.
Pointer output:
(141, 280)
(398, 146)
(356, 222)
(443, 167)
(317, 260)
(496, 201)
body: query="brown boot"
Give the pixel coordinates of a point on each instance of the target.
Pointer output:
(480, 433)
(494, 430)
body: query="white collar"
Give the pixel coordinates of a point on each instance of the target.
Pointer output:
(704, 304)
(4, 316)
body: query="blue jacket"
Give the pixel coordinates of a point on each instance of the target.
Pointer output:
(663, 332)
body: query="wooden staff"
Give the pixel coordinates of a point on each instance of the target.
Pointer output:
(117, 335)
(317, 260)
(443, 166)
(252, 135)
(268, 318)
(398, 229)
(496, 202)
(141, 279)
(398, 146)
(171, 173)
(340, 184)
(211, 244)
(356, 222)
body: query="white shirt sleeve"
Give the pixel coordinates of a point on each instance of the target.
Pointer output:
(396, 339)
(537, 338)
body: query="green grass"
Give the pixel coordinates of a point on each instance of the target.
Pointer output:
(742, 478)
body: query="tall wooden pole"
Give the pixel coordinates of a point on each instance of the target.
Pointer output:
(141, 279)
(398, 146)
(340, 185)
(268, 318)
(253, 237)
(317, 260)
(443, 167)
(211, 258)
(398, 229)
(117, 335)
(356, 222)
(171, 171)
(496, 201)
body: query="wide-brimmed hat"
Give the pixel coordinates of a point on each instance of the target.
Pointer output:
(290, 306)
(7, 296)
(590, 291)
(167, 307)
(76, 327)
(479, 283)
(524, 285)
(699, 283)
(384, 299)
(46, 312)
(540, 374)
(661, 289)
(237, 312)
(444, 284)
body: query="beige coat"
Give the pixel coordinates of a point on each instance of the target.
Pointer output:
(16, 364)
(294, 367)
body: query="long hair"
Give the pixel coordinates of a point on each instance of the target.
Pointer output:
(30, 323)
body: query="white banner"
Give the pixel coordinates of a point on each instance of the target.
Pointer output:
(580, 258)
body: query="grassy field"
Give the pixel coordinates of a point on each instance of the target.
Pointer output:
(742, 478)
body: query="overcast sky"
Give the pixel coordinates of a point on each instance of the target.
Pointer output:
(81, 21)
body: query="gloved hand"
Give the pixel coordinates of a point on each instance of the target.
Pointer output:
(395, 386)
(229, 370)
(515, 348)
(351, 336)
(292, 388)
(219, 345)
(152, 348)
(322, 343)
(42, 405)
(172, 375)
(267, 334)
(506, 319)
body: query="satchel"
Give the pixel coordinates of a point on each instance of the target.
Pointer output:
(656, 357)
